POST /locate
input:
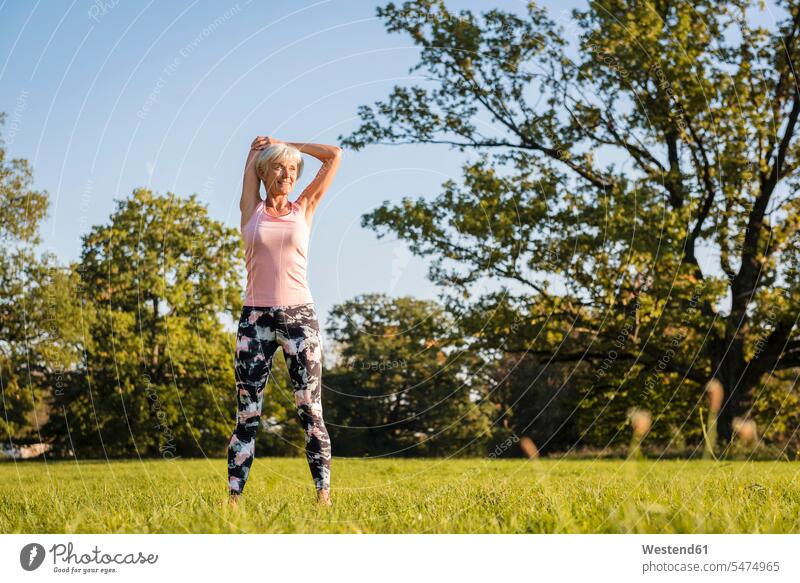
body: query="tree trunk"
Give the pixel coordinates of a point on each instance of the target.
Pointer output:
(730, 366)
(154, 361)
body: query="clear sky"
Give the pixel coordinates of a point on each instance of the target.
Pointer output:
(105, 96)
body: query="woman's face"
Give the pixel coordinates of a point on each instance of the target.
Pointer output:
(281, 176)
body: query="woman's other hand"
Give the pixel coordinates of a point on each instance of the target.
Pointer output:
(262, 142)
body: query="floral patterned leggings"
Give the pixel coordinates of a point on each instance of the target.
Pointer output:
(260, 332)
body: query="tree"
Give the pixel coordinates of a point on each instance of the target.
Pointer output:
(604, 178)
(404, 385)
(158, 371)
(32, 356)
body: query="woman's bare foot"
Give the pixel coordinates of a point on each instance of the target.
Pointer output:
(324, 497)
(233, 500)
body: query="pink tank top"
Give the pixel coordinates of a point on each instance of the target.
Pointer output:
(276, 250)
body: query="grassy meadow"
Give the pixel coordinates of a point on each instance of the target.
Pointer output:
(404, 496)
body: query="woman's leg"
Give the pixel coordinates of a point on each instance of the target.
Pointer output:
(255, 347)
(299, 334)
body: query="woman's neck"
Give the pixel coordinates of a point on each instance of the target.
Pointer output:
(277, 201)
(277, 205)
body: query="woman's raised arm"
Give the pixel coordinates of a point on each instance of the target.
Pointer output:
(251, 184)
(331, 157)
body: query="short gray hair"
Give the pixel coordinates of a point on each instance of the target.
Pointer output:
(276, 153)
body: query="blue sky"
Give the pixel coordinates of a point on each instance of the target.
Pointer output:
(105, 96)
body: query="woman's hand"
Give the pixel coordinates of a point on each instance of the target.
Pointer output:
(262, 142)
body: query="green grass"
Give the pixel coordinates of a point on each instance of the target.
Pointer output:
(399, 496)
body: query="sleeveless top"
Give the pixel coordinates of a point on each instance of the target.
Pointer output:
(276, 251)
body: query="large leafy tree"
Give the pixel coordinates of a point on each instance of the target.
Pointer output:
(157, 377)
(404, 384)
(639, 193)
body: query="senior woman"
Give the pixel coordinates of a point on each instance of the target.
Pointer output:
(278, 306)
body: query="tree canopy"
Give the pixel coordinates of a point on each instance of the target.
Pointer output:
(637, 164)
(156, 377)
